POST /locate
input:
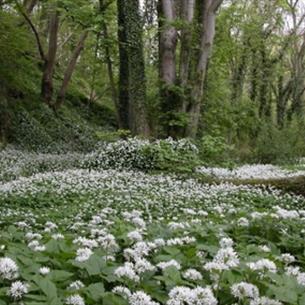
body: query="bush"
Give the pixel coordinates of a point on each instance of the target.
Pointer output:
(279, 146)
(214, 150)
(139, 154)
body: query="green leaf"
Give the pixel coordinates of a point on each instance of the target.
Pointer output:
(60, 275)
(284, 294)
(48, 288)
(95, 291)
(94, 265)
(112, 299)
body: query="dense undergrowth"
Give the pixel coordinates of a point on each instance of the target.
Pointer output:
(34, 126)
(126, 224)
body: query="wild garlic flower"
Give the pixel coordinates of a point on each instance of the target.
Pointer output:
(83, 254)
(44, 270)
(122, 291)
(171, 263)
(185, 295)
(127, 271)
(17, 290)
(264, 248)
(8, 269)
(244, 290)
(135, 236)
(58, 236)
(76, 285)
(226, 243)
(243, 222)
(192, 275)
(143, 265)
(263, 265)
(287, 258)
(75, 300)
(141, 298)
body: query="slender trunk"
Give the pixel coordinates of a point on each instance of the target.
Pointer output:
(4, 120)
(188, 8)
(48, 69)
(264, 107)
(70, 69)
(94, 72)
(239, 73)
(208, 23)
(113, 87)
(123, 107)
(254, 77)
(284, 92)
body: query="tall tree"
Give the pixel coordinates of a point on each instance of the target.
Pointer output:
(132, 82)
(183, 99)
(167, 56)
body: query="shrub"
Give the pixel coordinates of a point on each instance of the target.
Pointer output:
(275, 145)
(214, 150)
(139, 154)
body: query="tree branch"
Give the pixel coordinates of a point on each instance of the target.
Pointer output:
(33, 28)
(215, 5)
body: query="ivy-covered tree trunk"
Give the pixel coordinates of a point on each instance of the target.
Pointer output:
(132, 82)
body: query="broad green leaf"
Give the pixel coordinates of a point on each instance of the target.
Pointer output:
(95, 291)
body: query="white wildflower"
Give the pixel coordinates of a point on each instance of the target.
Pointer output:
(244, 290)
(83, 254)
(171, 263)
(8, 269)
(192, 274)
(76, 285)
(135, 236)
(127, 271)
(17, 290)
(44, 270)
(75, 300)
(263, 265)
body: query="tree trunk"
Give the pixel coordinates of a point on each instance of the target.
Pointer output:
(208, 21)
(123, 106)
(265, 103)
(4, 120)
(168, 75)
(132, 68)
(70, 69)
(113, 87)
(138, 121)
(188, 9)
(284, 92)
(48, 69)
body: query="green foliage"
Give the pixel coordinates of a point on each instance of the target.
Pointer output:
(34, 126)
(18, 65)
(215, 150)
(133, 153)
(280, 145)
